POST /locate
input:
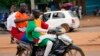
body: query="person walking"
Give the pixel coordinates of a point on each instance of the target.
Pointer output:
(80, 11)
(12, 11)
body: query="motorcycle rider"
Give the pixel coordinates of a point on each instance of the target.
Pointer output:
(36, 29)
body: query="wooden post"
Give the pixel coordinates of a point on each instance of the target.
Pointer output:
(32, 4)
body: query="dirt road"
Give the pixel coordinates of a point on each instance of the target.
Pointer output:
(90, 21)
(84, 37)
(89, 29)
(88, 50)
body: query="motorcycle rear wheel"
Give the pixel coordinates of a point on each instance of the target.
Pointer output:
(23, 52)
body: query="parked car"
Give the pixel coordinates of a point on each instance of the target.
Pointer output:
(65, 19)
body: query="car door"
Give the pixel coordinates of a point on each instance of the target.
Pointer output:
(57, 18)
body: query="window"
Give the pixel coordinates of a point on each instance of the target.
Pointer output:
(58, 15)
(46, 16)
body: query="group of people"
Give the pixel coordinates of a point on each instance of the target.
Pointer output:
(77, 10)
(27, 28)
(30, 28)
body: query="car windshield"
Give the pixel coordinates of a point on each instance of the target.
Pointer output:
(45, 17)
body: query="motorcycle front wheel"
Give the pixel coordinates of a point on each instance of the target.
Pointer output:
(74, 51)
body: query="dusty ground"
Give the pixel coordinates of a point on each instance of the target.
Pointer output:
(88, 50)
(88, 21)
(83, 36)
(86, 39)
(82, 40)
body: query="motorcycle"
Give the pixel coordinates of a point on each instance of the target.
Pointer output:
(61, 47)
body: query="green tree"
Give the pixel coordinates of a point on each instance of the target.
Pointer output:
(8, 3)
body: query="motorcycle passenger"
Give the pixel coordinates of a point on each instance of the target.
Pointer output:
(20, 20)
(36, 29)
(17, 23)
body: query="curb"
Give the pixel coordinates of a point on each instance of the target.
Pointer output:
(89, 26)
(88, 44)
(6, 47)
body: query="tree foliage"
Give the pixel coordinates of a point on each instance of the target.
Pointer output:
(8, 3)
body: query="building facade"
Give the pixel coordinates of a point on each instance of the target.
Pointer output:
(88, 6)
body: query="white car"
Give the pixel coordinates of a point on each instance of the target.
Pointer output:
(65, 19)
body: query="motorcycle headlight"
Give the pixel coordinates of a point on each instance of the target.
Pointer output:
(67, 42)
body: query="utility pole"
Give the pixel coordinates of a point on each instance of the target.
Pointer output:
(32, 4)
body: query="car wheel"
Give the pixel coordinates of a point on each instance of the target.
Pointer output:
(71, 29)
(66, 27)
